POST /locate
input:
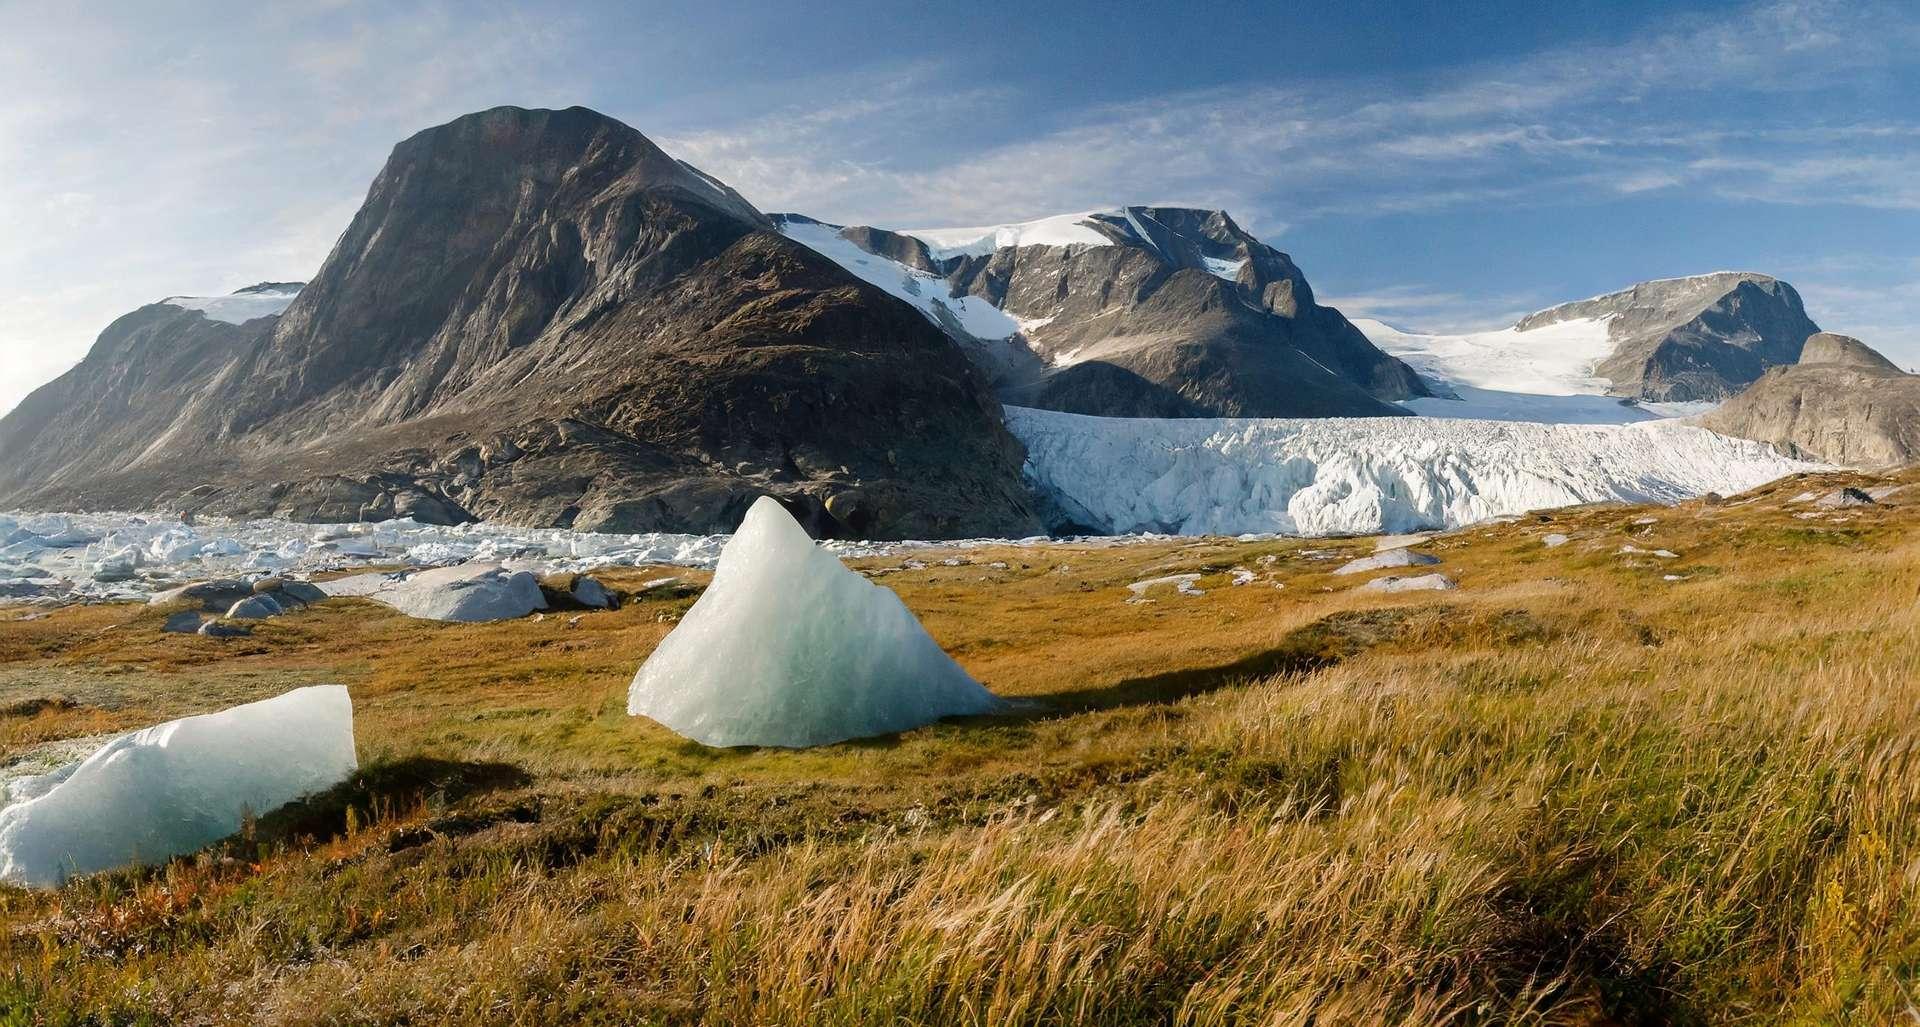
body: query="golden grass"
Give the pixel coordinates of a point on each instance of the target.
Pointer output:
(1572, 791)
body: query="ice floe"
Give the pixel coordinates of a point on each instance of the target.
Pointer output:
(788, 647)
(150, 795)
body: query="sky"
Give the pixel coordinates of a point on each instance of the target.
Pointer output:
(1442, 166)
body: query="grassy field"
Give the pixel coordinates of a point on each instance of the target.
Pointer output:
(1593, 785)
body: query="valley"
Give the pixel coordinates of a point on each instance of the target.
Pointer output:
(1589, 783)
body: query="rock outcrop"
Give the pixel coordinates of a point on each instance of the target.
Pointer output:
(537, 317)
(1845, 350)
(1702, 338)
(1843, 404)
(1133, 312)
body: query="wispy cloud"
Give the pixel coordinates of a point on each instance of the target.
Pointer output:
(1694, 107)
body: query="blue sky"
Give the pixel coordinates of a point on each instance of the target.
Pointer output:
(1442, 166)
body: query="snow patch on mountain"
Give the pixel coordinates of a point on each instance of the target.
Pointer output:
(1556, 360)
(1545, 374)
(926, 293)
(1227, 269)
(1058, 230)
(240, 307)
(1337, 476)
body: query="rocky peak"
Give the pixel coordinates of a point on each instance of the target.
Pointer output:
(539, 316)
(1832, 348)
(1665, 300)
(475, 237)
(1703, 337)
(1129, 311)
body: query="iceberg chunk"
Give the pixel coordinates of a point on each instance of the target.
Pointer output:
(788, 647)
(171, 789)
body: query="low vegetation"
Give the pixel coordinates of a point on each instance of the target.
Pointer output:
(1593, 785)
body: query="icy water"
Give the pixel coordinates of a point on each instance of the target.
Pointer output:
(58, 558)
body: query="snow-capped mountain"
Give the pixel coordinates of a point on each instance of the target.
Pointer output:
(1658, 349)
(1133, 311)
(540, 318)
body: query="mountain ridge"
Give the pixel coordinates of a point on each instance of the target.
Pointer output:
(539, 317)
(1129, 311)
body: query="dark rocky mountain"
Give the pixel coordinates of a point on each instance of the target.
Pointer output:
(1702, 338)
(538, 317)
(1135, 312)
(1842, 404)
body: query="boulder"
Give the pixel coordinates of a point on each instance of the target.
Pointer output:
(1422, 583)
(589, 592)
(468, 593)
(186, 622)
(290, 594)
(256, 607)
(575, 592)
(214, 596)
(1844, 498)
(1389, 559)
(224, 629)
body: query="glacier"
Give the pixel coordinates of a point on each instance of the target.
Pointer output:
(1544, 374)
(788, 647)
(1361, 476)
(149, 795)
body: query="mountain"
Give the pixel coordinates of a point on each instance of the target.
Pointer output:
(1701, 338)
(538, 317)
(1132, 312)
(1655, 349)
(1843, 403)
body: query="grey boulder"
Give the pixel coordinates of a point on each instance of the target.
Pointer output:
(1388, 560)
(468, 593)
(213, 596)
(1422, 583)
(256, 607)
